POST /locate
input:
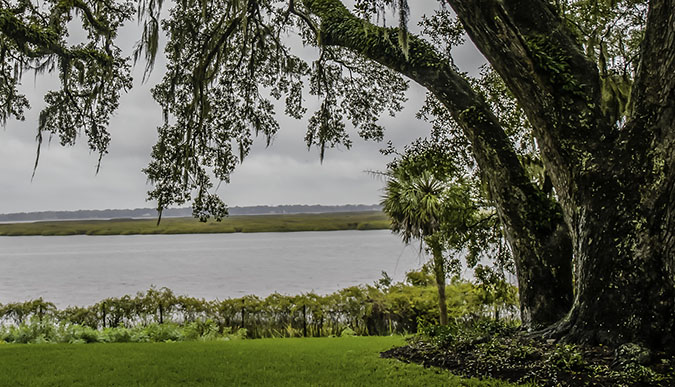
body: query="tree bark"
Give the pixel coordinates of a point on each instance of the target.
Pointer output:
(534, 224)
(616, 184)
(627, 288)
(439, 271)
(304, 321)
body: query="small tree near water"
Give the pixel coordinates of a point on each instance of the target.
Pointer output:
(418, 206)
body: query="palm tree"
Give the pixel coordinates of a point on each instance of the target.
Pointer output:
(417, 206)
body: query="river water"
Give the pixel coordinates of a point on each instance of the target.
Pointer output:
(81, 270)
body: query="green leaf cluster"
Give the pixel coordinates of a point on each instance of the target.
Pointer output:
(93, 73)
(161, 315)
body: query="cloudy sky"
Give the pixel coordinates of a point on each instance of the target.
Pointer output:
(284, 173)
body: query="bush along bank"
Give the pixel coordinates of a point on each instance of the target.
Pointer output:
(160, 315)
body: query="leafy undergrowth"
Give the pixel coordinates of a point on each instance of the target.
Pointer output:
(502, 352)
(349, 361)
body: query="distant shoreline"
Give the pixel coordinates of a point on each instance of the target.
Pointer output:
(332, 221)
(151, 213)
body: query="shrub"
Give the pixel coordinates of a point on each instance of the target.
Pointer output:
(347, 332)
(163, 332)
(442, 335)
(566, 358)
(117, 335)
(77, 334)
(159, 315)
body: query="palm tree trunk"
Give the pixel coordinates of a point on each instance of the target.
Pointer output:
(439, 270)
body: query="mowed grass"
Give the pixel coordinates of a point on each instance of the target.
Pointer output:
(370, 220)
(349, 361)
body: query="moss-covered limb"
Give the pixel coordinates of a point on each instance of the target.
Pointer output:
(652, 127)
(44, 41)
(100, 25)
(654, 83)
(555, 84)
(21, 34)
(535, 227)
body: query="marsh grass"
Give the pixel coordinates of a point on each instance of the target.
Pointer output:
(369, 220)
(349, 361)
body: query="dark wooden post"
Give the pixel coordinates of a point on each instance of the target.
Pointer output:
(103, 312)
(304, 321)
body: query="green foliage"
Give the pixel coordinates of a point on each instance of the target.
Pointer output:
(610, 32)
(441, 335)
(76, 334)
(416, 204)
(363, 310)
(512, 118)
(430, 196)
(642, 375)
(419, 278)
(427, 195)
(462, 333)
(494, 289)
(444, 29)
(24, 333)
(551, 59)
(484, 347)
(119, 335)
(20, 312)
(93, 73)
(566, 358)
(218, 90)
(51, 331)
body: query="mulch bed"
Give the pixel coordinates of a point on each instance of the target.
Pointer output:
(520, 359)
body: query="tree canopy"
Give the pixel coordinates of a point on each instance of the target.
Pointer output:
(93, 73)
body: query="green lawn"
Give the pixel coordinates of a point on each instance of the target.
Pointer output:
(349, 361)
(368, 220)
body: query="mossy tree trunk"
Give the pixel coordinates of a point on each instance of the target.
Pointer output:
(615, 181)
(439, 271)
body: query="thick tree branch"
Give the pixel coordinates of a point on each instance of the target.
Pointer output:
(100, 27)
(654, 87)
(557, 86)
(45, 41)
(530, 218)
(651, 127)
(301, 15)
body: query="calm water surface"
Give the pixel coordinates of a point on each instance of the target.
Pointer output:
(81, 270)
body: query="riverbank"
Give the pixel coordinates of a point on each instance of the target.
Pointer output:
(369, 220)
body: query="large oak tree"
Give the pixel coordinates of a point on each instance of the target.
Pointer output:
(596, 256)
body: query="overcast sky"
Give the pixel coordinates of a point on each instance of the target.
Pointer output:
(284, 173)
